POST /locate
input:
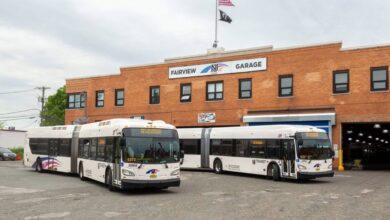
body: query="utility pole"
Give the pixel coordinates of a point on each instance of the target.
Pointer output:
(42, 99)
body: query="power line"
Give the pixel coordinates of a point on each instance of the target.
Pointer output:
(22, 118)
(17, 116)
(19, 91)
(26, 110)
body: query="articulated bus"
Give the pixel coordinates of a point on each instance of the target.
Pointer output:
(277, 151)
(122, 153)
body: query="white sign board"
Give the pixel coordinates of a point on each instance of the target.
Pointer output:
(207, 117)
(238, 66)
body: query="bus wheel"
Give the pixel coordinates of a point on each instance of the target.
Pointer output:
(218, 166)
(109, 180)
(275, 172)
(38, 166)
(81, 172)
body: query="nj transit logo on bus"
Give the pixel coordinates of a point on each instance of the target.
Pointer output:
(152, 172)
(317, 166)
(214, 68)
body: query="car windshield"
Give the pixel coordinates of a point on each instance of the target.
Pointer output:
(5, 150)
(313, 146)
(151, 146)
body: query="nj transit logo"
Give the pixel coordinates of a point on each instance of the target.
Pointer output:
(213, 68)
(152, 172)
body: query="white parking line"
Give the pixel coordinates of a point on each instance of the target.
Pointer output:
(48, 215)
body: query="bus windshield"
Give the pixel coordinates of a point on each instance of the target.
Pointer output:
(151, 146)
(313, 146)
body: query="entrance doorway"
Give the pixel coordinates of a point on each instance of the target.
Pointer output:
(366, 145)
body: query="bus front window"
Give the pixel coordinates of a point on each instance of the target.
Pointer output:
(313, 146)
(152, 147)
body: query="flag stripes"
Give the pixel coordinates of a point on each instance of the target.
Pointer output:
(225, 2)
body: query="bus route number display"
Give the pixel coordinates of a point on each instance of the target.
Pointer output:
(149, 131)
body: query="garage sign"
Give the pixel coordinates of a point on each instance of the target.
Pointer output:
(238, 66)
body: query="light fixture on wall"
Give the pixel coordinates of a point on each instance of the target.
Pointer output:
(350, 132)
(369, 136)
(377, 139)
(382, 140)
(385, 131)
(377, 126)
(350, 139)
(361, 134)
(357, 140)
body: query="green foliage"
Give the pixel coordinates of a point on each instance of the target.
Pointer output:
(18, 151)
(2, 126)
(54, 109)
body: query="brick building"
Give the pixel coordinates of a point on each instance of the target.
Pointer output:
(344, 91)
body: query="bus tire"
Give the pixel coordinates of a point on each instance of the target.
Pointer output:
(218, 166)
(275, 172)
(109, 184)
(81, 172)
(38, 166)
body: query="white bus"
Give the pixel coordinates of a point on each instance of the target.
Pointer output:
(122, 153)
(277, 151)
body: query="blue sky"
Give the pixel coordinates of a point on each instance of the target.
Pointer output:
(43, 42)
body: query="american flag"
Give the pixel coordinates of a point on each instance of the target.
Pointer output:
(225, 2)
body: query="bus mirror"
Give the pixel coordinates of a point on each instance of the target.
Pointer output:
(122, 142)
(332, 153)
(300, 142)
(181, 154)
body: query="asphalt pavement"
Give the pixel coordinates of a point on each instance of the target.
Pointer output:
(25, 194)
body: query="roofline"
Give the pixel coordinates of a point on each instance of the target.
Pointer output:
(221, 53)
(92, 76)
(365, 47)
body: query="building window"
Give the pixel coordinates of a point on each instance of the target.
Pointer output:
(119, 97)
(99, 98)
(154, 95)
(285, 85)
(185, 92)
(214, 91)
(76, 100)
(379, 78)
(245, 88)
(341, 81)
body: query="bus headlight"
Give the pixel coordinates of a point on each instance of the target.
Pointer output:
(301, 167)
(175, 172)
(127, 173)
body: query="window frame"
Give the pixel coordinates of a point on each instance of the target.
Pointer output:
(346, 71)
(151, 96)
(215, 90)
(182, 94)
(117, 99)
(82, 100)
(386, 68)
(240, 91)
(97, 99)
(281, 77)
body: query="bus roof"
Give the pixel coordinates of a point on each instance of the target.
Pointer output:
(264, 131)
(113, 127)
(62, 131)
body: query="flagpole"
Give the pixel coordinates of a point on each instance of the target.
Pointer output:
(215, 45)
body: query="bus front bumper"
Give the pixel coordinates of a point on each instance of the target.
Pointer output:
(307, 175)
(135, 184)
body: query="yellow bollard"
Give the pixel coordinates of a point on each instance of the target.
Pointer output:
(341, 167)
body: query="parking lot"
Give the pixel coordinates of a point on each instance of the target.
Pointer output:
(25, 194)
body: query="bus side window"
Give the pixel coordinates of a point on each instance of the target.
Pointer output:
(92, 149)
(273, 149)
(101, 148)
(80, 151)
(215, 147)
(242, 148)
(109, 150)
(257, 148)
(190, 146)
(86, 149)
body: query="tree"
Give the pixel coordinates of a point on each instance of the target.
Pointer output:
(54, 109)
(2, 126)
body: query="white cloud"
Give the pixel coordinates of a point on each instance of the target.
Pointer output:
(43, 42)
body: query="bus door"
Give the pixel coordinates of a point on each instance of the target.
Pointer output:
(288, 158)
(117, 162)
(52, 162)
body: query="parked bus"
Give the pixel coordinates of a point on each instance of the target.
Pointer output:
(277, 151)
(122, 153)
